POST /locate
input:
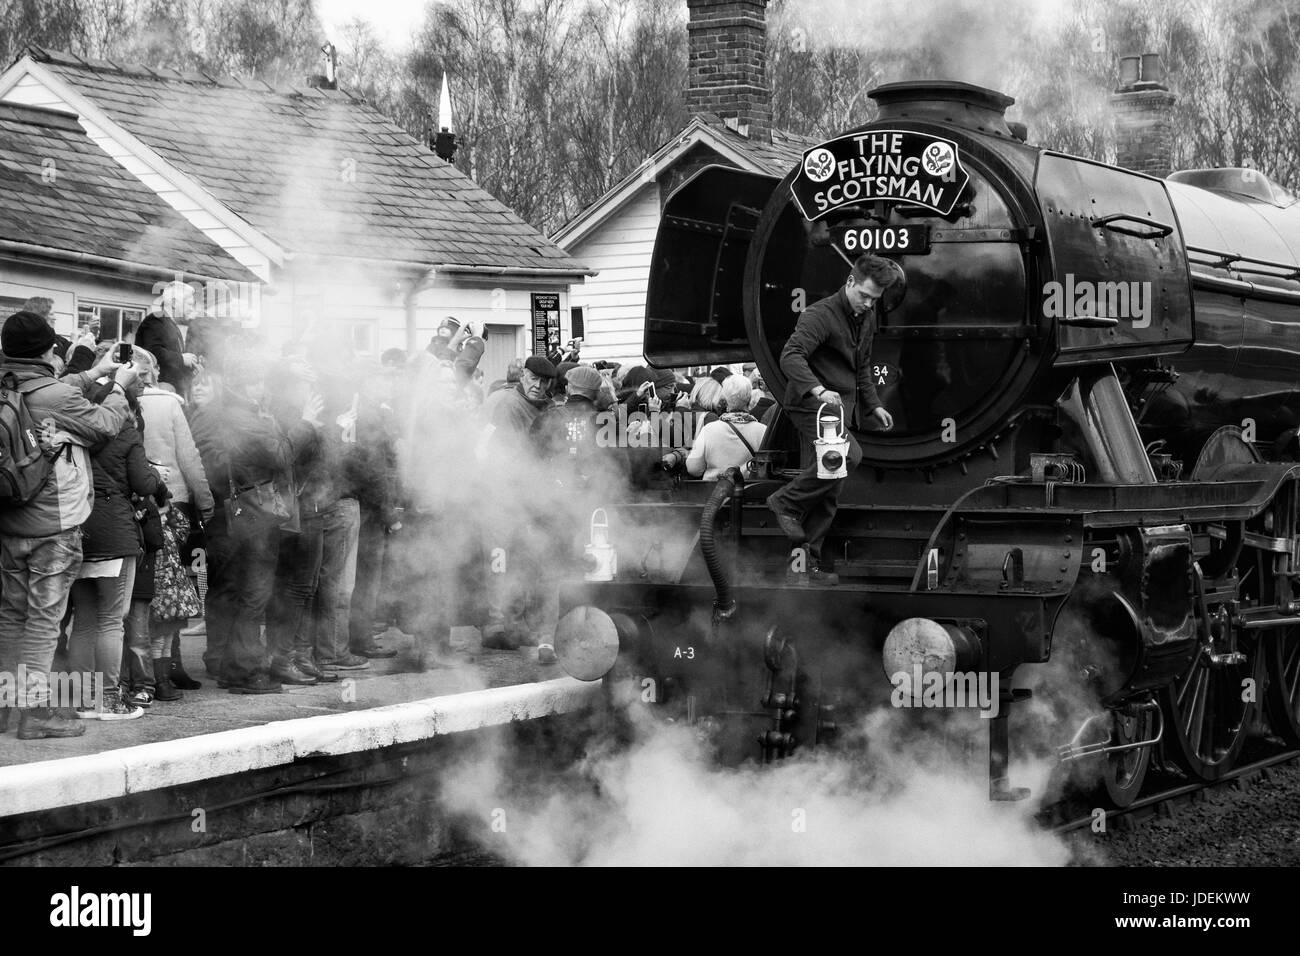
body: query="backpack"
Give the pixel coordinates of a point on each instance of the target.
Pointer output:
(24, 466)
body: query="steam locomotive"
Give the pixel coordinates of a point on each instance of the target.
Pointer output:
(1094, 377)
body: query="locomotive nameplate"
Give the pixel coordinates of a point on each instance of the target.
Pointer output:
(879, 164)
(883, 240)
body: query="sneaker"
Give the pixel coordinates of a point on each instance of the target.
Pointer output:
(545, 654)
(348, 662)
(255, 684)
(198, 629)
(117, 707)
(140, 697)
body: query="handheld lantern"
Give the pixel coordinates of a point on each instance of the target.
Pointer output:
(832, 445)
(602, 559)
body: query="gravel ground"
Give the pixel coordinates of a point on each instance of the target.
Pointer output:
(1257, 826)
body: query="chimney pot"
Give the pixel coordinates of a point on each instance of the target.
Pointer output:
(1153, 71)
(1143, 112)
(1130, 71)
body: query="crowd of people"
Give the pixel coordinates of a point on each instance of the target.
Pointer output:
(298, 502)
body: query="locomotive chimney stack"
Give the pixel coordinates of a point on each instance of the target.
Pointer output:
(728, 64)
(1143, 108)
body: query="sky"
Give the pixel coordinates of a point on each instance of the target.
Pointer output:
(394, 20)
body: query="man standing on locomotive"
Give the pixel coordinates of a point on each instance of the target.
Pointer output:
(827, 360)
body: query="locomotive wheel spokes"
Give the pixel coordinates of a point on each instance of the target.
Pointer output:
(1206, 718)
(1282, 654)
(1125, 770)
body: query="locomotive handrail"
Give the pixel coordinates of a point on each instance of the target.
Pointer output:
(1157, 229)
(1225, 259)
(1241, 287)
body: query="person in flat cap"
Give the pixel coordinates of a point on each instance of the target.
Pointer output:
(567, 439)
(516, 606)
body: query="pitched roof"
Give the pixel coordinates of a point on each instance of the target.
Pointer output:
(59, 190)
(318, 171)
(773, 159)
(777, 158)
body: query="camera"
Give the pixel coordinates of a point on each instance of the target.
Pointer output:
(123, 354)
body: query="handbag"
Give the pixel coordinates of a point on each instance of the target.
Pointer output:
(175, 598)
(257, 509)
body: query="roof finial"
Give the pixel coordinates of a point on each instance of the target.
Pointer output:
(444, 106)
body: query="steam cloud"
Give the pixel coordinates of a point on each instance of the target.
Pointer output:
(908, 799)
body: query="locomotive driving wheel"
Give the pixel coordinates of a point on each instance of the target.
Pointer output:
(1125, 770)
(1209, 709)
(1282, 657)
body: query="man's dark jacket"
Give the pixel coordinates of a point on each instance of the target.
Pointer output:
(162, 336)
(830, 346)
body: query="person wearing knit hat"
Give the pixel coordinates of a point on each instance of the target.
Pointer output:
(26, 335)
(40, 539)
(583, 380)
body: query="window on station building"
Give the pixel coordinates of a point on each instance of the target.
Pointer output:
(363, 338)
(578, 319)
(114, 321)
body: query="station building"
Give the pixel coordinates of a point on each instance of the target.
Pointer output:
(286, 206)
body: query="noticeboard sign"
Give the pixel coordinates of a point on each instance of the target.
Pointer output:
(879, 164)
(546, 322)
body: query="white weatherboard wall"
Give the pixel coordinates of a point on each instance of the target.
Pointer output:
(614, 300)
(70, 287)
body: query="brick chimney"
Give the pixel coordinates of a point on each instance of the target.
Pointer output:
(1143, 108)
(727, 63)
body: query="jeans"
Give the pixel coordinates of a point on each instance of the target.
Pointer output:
(297, 578)
(372, 548)
(99, 607)
(137, 662)
(338, 575)
(815, 499)
(36, 577)
(241, 577)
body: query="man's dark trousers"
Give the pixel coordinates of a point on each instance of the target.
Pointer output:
(814, 499)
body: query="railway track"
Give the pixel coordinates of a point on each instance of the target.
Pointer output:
(1166, 800)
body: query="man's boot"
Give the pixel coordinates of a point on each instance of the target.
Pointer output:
(36, 723)
(164, 686)
(176, 670)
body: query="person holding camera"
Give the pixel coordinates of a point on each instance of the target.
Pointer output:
(827, 361)
(40, 541)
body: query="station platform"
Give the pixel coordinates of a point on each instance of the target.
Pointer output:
(213, 733)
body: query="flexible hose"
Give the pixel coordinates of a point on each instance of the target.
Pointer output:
(731, 484)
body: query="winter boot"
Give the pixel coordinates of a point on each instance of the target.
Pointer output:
(164, 689)
(180, 679)
(35, 723)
